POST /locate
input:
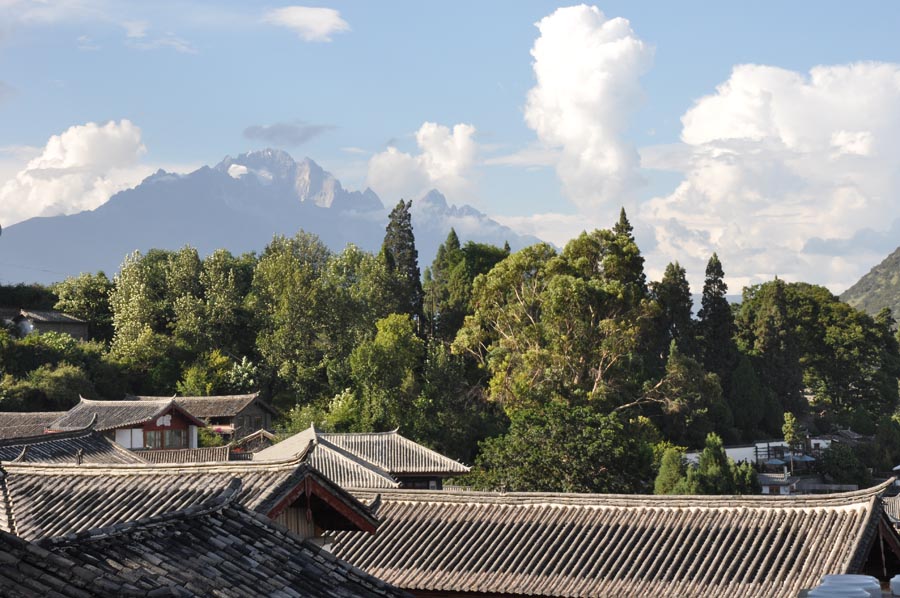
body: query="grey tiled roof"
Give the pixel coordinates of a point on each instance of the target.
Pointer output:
(214, 406)
(396, 454)
(342, 467)
(608, 545)
(116, 414)
(211, 454)
(14, 424)
(214, 548)
(57, 317)
(86, 446)
(38, 500)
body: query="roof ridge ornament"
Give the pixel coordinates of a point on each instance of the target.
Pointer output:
(22, 455)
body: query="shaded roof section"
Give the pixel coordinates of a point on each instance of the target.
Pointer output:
(75, 447)
(210, 454)
(609, 545)
(55, 317)
(396, 454)
(39, 500)
(214, 406)
(215, 547)
(112, 415)
(19, 424)
(344, 468)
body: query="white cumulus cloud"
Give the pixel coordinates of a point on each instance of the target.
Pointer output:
(782, 171)
(76, 170)
(588, 70)
(312, 24)
(444, 162)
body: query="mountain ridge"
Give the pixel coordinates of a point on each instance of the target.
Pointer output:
(878, 288)
(239, 205)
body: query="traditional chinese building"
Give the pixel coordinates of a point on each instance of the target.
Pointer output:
(161, 424)
(232, 416)
(388, 453)
(583, 545)
(215, 547)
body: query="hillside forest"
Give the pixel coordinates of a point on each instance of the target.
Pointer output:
(548, 370)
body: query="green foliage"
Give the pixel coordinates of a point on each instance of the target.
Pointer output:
(672, 470)
(402, 260)
(385, 372)
(690, 401)
(674, 322)
(745, 479)
(802, 336)
(568, 369)
(715, 325)
(290, 298)
(714, 468)
(793, 436)
(33, 296)
(209, 375)
(46, 388)
(86, 297)
(453, 416)
(564, 449)
(714, 473)
(887, 444)
(840, 464)
(747, 400)
(208, 438)
(152, 362)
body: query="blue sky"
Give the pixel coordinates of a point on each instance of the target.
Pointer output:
(550, 129)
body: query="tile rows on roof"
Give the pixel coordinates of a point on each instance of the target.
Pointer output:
(75, 447)
(212, 406)
(49, 316)
(396, 454)
(116, 414)
(344, 468)
(40, 500)
(214, 548)
(596, 545)
(211, 454)
(16, 424)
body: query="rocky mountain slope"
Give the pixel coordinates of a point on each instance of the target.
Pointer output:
(879, 288)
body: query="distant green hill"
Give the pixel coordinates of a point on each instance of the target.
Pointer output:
(879, 288)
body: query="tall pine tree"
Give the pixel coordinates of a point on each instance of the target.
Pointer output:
(716, 325)
(673, 294)
(402, 261)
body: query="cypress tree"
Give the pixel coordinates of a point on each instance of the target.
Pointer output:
(402, 261)
(673, 293)
(716, 325)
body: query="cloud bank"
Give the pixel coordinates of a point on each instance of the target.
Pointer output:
(310, 23)
(76, 170)
(588, 70)
(444, 162)
(786, 174)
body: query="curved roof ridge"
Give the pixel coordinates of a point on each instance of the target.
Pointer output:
(50, 436)
(354, 438)
(214, 503)
(797, 501)
(233, 395)
(146, 468)
(346, 454)
(148, 398)
(112, 401)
